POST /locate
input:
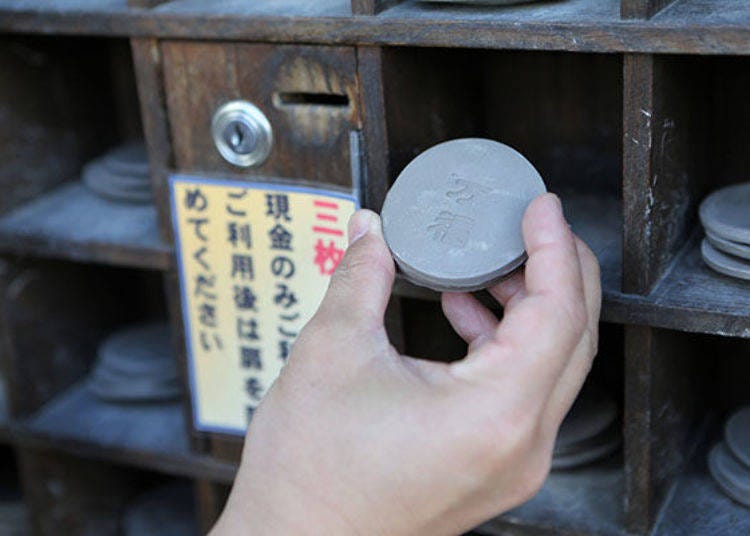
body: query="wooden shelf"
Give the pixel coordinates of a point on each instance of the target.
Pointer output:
(690, 297)
(690, 26)
(587, 500)
(151, 436)
(258, 8)
(72, 223)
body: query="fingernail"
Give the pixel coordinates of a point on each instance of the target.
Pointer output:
(359, 224)
(553, 201)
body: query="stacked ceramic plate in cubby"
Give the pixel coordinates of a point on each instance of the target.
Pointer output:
(725, 215)
(729, 461)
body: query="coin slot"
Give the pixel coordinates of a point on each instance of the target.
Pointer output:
(330, 100)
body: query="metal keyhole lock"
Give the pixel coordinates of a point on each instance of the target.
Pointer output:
(242, 133)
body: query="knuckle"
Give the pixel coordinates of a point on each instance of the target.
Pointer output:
(569, 315)
(535, 475)
(524, 452)
(360, 260)
(576, 316)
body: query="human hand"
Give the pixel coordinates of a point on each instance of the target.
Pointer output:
(354, 438)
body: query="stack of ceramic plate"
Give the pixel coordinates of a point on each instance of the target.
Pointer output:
(725, 215)
(121, 174)
(729, 461)
(591, 431)
(136, 364)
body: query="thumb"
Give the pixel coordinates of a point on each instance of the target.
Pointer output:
(361, 285)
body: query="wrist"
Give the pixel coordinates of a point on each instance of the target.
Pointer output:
(272, 507)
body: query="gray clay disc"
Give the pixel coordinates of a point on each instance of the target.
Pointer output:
(737, 435)
(482, 2)
(732, 477)
(727, 246)
(114, 186)
(723, 263)
(108, 186)
(127, 159)
(592, 413)
(726, 213)
(453, 217)
(136, 364)
(596, 449)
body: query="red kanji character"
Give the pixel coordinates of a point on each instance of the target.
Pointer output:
(327, 258)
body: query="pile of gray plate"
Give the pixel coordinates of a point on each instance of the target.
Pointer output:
(729, 461)
(725, 215)
(136, 364)
(591, 431)
(121, 174)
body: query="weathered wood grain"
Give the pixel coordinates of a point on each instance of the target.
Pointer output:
(663, 399)
(311, 141)
(374, 128)
(148, 66)
(687, 27)
(663, 160)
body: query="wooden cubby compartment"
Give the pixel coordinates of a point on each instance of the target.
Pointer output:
(54, 316)
(697, 382)
(562, 111)
(75, 451)
(696, 123)
(65, 101)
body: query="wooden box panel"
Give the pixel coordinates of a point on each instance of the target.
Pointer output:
(308, 93)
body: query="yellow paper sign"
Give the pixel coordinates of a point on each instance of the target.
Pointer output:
(255, 261)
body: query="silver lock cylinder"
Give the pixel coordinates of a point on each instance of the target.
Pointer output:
(242, 133)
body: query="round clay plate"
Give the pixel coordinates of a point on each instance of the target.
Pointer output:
(136, 364)
(453, 217)
(723, 263)
(595, 449)
(726, 213)
(732, 477)
(727, 246)
(122, 188)
(737, 435)
(127, 159)
(592, 413)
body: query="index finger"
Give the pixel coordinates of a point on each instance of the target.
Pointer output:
(539, 332)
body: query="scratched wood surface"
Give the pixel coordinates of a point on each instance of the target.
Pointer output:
(664, 162)
(311, 135)
(687, 26)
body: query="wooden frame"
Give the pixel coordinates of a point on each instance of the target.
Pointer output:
(668, 117)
